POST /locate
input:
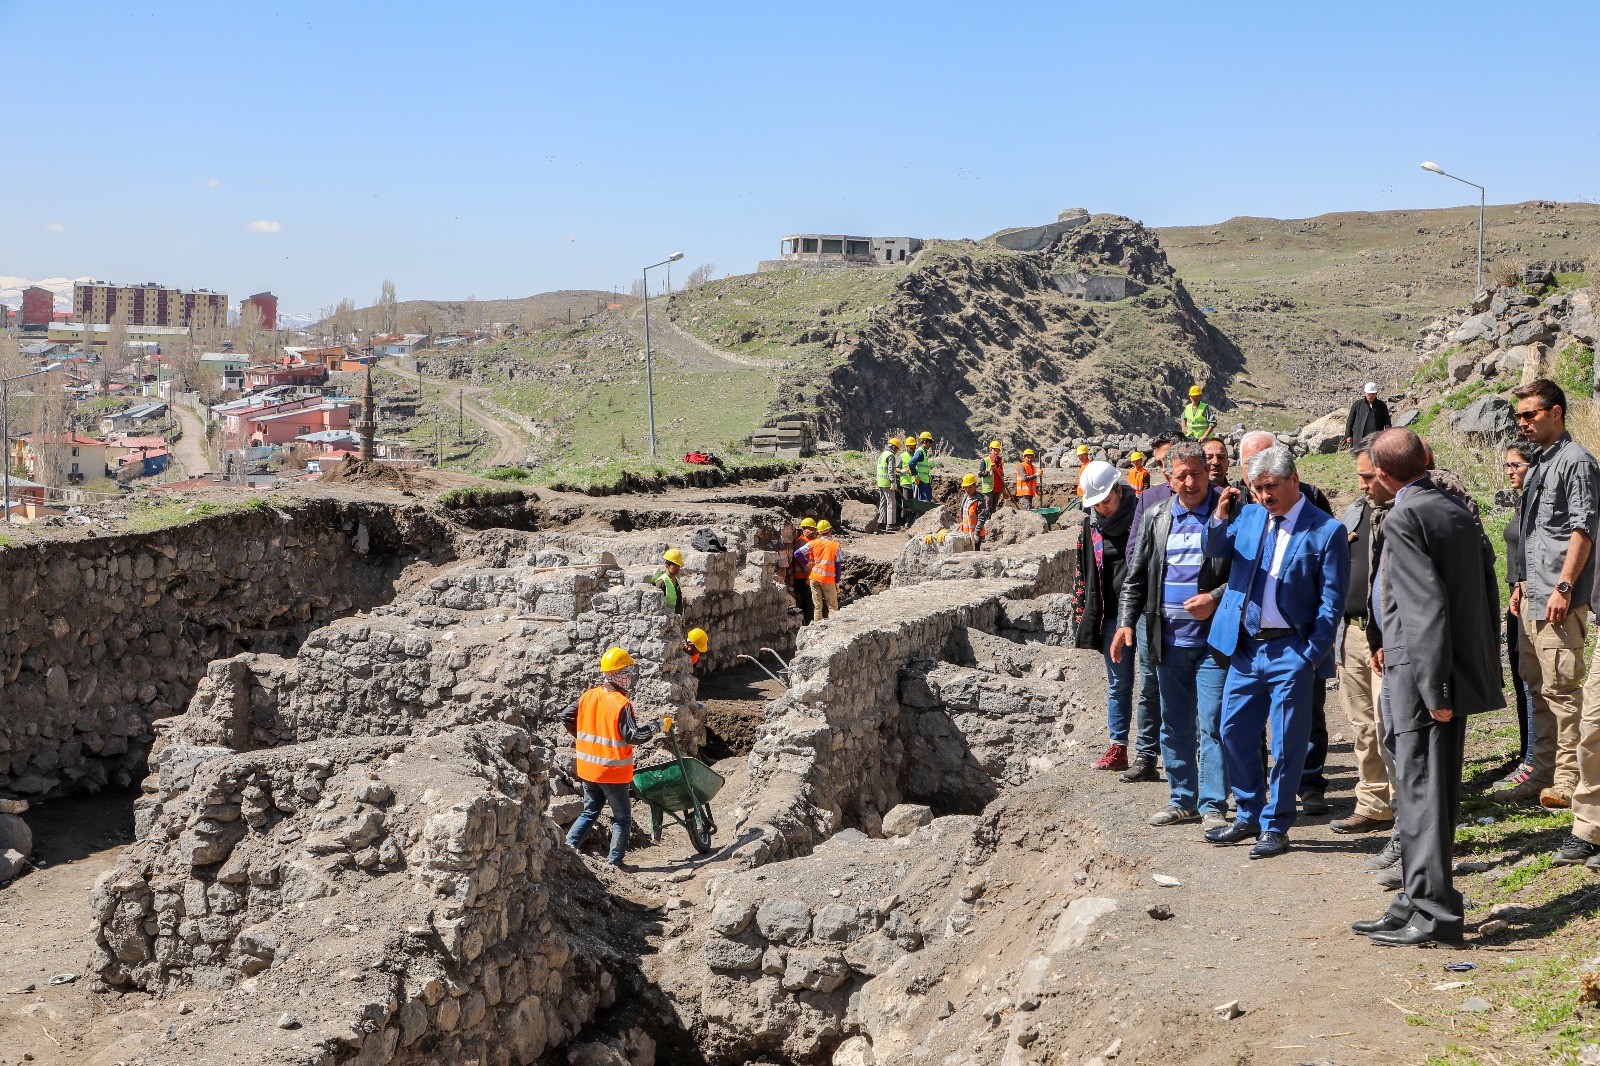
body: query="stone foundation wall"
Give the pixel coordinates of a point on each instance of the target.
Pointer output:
(359, 900)
(100, 638)
(833, 751)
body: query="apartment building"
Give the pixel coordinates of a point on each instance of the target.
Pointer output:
(149, 304)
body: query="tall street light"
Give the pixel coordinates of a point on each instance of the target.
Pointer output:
(1435, 168)
(649, 375)
(5, 432)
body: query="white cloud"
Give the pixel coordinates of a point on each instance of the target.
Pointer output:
(261, 225)
(210, 183)
(53, 227)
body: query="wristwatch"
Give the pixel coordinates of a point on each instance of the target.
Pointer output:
(1564, 587)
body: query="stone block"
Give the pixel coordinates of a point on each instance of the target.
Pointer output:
(906, 819)
(15, 835)
(731, 917)
(1078, 920)
(811, 971)
(724, 954)
(787, 921)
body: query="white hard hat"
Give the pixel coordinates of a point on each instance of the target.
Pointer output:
(1098, 479)
(1371, 389)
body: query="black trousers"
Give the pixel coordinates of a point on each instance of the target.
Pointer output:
(1518, 689)
(1427, 801)
(1313, 778)
(802, 600)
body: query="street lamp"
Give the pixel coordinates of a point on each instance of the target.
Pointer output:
(649, 374)
(5, 431)
(1435, 168)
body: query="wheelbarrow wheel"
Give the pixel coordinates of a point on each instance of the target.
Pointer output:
(700, 830)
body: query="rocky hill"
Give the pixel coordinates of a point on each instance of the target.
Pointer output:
(1318, 305)
(975, 341)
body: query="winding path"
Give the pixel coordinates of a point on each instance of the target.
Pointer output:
(190, 448)
(510, 432)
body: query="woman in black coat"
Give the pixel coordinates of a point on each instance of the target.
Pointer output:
(1102, 562)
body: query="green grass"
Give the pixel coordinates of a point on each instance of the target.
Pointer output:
(147, 517)
(1576, 280)
(583, 475)
(1574, 370)
(1435, 368)
(508, 473)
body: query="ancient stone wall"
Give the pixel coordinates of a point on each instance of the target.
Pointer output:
(99, 638)
(382, 900)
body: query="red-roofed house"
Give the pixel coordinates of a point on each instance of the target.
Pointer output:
(266, 428)
(71, 457)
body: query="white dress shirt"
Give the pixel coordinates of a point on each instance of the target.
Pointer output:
(1271, 617)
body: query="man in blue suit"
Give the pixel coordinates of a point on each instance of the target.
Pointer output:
(1276, 625)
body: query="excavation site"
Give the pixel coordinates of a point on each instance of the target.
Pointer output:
(294, 785)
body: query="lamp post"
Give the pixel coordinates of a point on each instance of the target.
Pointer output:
(5, 431)
(649, 371)
(1435, 168)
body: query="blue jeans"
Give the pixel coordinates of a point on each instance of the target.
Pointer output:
(1269, 684)
(925, 491)
(1119, 689)
(1148, 742)
(1191, 703)
(595, 796)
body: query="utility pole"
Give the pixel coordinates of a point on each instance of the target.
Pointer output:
(461, 405)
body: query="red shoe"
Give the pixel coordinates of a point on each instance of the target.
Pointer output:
(1115, 758)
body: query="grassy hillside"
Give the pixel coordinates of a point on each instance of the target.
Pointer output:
(1353, 289)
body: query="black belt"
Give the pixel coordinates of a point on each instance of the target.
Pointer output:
(1269, 634)
(1356, 619)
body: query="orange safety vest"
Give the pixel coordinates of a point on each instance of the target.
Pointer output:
(1027, 479)
(969, 515)
(825, 561)
(694, 658)
(1139, 478)
(1081, 467)
(602, 756)
(802, 561)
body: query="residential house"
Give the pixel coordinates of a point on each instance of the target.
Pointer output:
(27, 501)
(269, 374)
(70, 457)
(133, 418)
(399, 343)
(230, 365)
(144, 461)
(268, 428)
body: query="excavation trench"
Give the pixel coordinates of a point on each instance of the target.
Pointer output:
(393, 776)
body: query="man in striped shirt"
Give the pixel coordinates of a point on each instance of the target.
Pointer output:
(1168, 597)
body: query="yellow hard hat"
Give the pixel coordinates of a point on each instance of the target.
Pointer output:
(698, 638)
(824, 526)
(939, 536)
(894, 442)
(925, 435)
(994, 444)
(808, 523)
(1083, 449)
(615, 659)
(1194, 390)
(1136, 455)
(968, 480)
(672, 555)
(1027, 451)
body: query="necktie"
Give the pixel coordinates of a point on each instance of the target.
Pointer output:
(1258, 580)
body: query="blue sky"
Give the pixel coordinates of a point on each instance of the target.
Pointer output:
(502, 149)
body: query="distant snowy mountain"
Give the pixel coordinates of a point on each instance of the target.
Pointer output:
(11, 290)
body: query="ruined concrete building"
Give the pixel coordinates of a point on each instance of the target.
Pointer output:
(840, 250)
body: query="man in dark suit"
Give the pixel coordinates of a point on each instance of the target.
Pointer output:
(1441, 662)
(1276, 623)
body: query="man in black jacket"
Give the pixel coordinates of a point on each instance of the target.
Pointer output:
(1102, 562)
(1367, 415)
(1441, 662)
(1169, 593)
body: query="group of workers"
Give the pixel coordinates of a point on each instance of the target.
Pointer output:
(905, 473)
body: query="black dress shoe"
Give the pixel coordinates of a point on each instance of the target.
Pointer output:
(1386, 924)
(1408, 936)
(1237, 833)
(1270, 845)
(1314, 804)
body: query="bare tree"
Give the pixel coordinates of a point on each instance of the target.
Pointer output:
(637, 291)
(115, 356)
(700, 275)
(388, 308)
(472, 313)
(344, 320)
(247, 334)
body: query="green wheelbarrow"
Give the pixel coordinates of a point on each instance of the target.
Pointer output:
(917, 508)
(680, 790)
(1050, 515)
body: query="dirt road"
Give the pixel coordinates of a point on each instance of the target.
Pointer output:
(510, 432)
(190, 449)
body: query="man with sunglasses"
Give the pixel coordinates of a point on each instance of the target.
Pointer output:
(1558, 525)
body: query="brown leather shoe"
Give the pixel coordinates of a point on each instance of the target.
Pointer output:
(1556, 799)
(1525, 794)
(1360, 823)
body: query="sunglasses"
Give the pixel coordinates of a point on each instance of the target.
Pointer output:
(1528, 416)
(1517, 466)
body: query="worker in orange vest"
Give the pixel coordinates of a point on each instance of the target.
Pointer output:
(822, 555)
(1138, 474)
(992, 477)
(1027, 481)
(974, 511)
(602, 722)
(696, 644)
(1083, 461)
(800, 573)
